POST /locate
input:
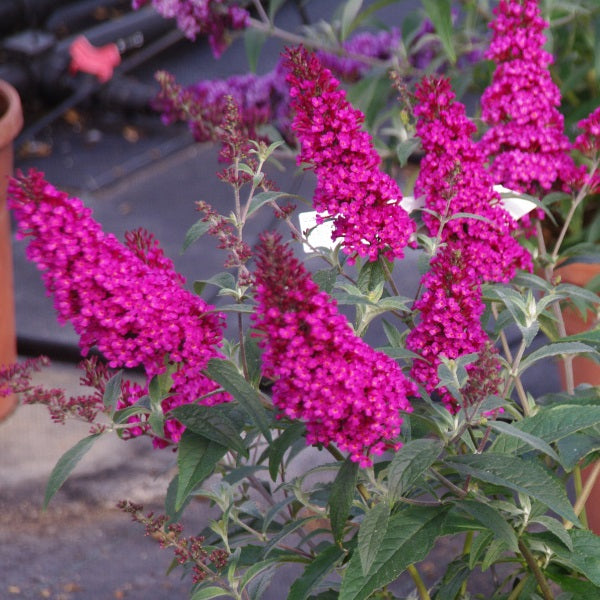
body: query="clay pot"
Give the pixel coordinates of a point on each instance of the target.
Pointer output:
(585, 370)
(11, 122)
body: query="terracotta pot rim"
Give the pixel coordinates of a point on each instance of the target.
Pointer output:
(11, 121)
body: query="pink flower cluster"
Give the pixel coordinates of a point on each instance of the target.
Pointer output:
(212, 18)
(588, 142)
(453, 180)
(126, 300)
(525, 142)
(324, 374)
(363, 201)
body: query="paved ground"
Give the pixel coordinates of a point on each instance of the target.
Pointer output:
(133, 172)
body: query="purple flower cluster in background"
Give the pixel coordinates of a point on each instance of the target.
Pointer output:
(126, 300)
(381, 45)
(213, 18)
(362, 200)
(325, 375)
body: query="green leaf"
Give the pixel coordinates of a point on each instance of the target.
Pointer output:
(408, 539)
(371, 276)
(557, 528)
(253, 41)
(550, 424)
(281, 444)
(528, 438)
(253, 358)
(211, 423)
(325, 279)
(349, 14)
(494, 551)
(195, 232)
(288, 529)
(405, 149)
(274, 6)
(575, 447)
(491, 519)
(223, 280)
(197, 458)
(112, 391)
(206, 593)
(409, 464)
(256, 569)
(263, 198)
(226, 374)
(520, 475)
(340, 499)
(315, 572)
(371, 530)
(66, 463)
(456, 573)
(440, 15)
(585, 556)
(478, 547)
(555, 349)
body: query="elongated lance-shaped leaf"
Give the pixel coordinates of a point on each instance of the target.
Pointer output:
(440, 14)
(519, 475)
(340, 499)
(211, 423)
(531, 440)
(371, 530)
(112, 391)
(315, 572)
(197, 458)
(491, 519)
(226, 374)
(550, 424)
(65, 465)
(556, 349)
(409, 463)
(409, 537)
(195, 232)
(280, 446)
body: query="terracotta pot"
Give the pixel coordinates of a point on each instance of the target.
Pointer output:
(11, 122)
(584, 369)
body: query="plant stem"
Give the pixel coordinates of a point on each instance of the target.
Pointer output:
(585, 492)
(537, 572)
(453, 488)
(518, 589)
(466, 549)
(420, 585)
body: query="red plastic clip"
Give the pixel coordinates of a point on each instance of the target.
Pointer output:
(100, 62)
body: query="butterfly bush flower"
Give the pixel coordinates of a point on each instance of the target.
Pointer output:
(588, 142)
(213, 18)
(525, 142)
(346, 392)
(363, 201)
(380, 45)
(260, 99)
(126, 300)
(472, 250)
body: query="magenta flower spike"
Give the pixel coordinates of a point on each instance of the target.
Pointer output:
(525, 143)
(453, 180)
(345, 392)
(363, 201)
(125, 300)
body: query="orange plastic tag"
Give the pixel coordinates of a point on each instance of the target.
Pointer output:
(100, 62)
